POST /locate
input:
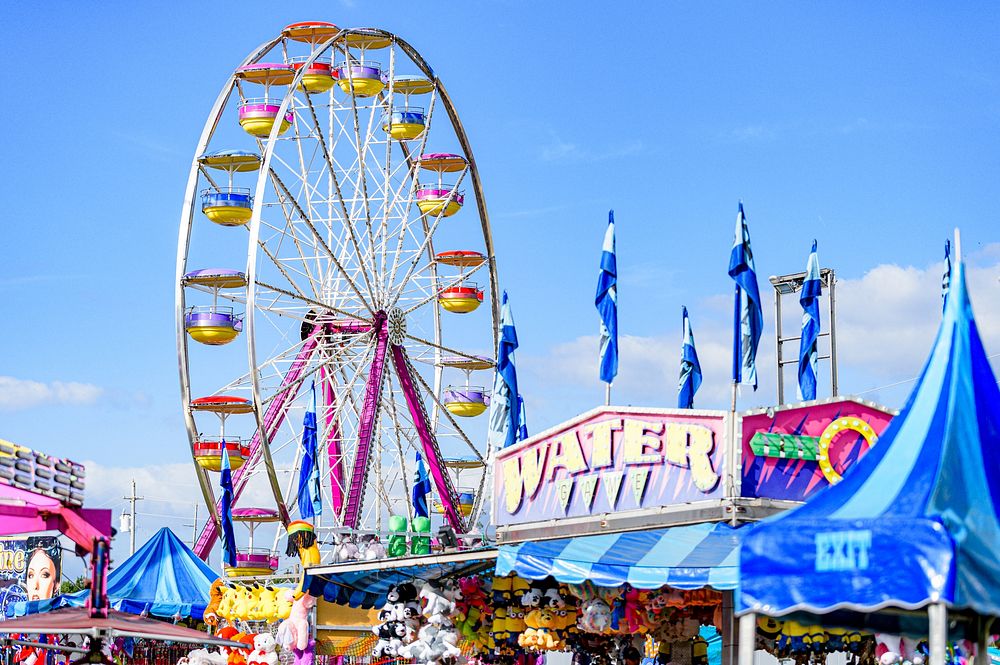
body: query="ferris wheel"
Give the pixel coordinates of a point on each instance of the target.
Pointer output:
(335, 185)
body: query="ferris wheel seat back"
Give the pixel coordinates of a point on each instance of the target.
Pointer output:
(461, 299)
(257, 117)
(366, 38)
(360, 79)
(222, 404)
(267, 73)
(405, 125)
(466, 402)
(208, 453)
(214, 326)
(443, 162)
(434, 200)
(318, 77)
(229, 206)
(216, 278)
(412, 84)
(462, 258)
(310, 32)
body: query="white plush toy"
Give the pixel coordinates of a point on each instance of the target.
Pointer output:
(373, 550)
(263, 650)
(436, 606)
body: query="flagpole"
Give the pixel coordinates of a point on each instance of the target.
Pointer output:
(607, 394)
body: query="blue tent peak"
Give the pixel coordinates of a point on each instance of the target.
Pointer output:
(164, 578)
(916, 520)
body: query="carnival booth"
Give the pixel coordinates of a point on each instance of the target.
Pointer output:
(908, 543)
(635, 516)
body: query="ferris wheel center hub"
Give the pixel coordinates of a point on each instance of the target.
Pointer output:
(396, 322)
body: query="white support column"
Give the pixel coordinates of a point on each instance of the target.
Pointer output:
(728, 628)
(937, 631)
(748, 638)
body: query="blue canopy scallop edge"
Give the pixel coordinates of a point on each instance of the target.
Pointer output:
(915, 521)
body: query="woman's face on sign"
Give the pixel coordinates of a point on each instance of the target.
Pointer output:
(41, 579)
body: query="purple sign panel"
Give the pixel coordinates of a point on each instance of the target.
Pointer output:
(611, 460)
(792, 453)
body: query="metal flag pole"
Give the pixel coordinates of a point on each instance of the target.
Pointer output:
(607, 394)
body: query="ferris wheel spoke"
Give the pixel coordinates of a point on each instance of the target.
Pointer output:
(326, 248)
(428, 236)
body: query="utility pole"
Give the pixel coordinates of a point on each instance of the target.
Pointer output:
(131, 533)
(194, 527)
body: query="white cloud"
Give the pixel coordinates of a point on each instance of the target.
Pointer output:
(886, 322)
(17, 394)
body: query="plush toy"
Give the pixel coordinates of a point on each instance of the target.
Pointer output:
(263, 650)
(242, 602)
(225, 608)
(595, 616)
(634, 602)
(436, 606)
(401, 593)
(372, 549)
(298, 622)
(302, 542)
(215, 595)
(398, 526)
(421, 544)
(253, 606)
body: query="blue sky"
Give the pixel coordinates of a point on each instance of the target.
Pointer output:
(871, 127)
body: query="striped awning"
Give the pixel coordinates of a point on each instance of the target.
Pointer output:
(365, 583)
(684, 557)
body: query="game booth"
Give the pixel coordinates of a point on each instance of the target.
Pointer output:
(617, 538)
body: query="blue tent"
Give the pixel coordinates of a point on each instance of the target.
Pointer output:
(915, 523)
(163, 578)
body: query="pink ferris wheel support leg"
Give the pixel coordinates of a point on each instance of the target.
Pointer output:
(366, 424)
(273, 418)
(333, 447)
(428, 442)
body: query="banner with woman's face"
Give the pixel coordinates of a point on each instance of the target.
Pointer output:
(30, 569)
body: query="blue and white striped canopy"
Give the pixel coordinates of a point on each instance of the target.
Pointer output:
(684, 557)
(916, 520)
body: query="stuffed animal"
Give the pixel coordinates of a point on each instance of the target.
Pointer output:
(634, 602)
(398, 526)
(242, 602)
(225, 609)
(215, 595)
(263, 650)
(421, 544)
(401, 593)
(595, 616)
(284, 598)
(436, 606)
(373, 550)
(302, 542)
(346, 550)
(298, 622)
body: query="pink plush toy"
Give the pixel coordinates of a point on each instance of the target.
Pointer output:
(298, 622)
(634, 611)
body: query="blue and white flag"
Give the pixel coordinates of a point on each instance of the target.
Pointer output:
(690, 367)
(226, 513)
(505, 404)
(748, 317)
(812, 288)
(522, 425)
(421, 488)
(309, 498)
(946, 278)
(607, 304)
